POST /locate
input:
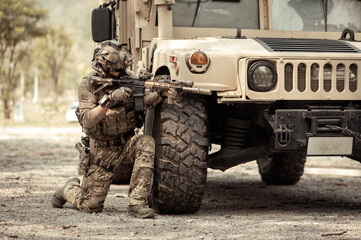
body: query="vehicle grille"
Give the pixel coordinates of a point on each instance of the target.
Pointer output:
(306, 45)
(308, 76)
(310, 79)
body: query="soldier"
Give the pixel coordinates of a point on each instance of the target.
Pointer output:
(108, 118)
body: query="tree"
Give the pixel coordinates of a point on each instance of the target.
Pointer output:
(51, 54)
(20, 22)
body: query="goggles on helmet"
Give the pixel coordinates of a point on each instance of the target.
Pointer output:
(112, 43)
(104, 57)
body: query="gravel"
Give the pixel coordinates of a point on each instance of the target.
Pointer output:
(325, 204)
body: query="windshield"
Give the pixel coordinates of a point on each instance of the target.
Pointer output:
(216, 13)
(316, 15)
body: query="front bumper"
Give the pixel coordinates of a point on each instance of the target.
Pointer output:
(318, 131)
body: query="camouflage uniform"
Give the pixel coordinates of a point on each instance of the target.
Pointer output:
(112, 141)
(119, 124)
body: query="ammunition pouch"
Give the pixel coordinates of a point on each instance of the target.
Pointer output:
(84, 155)
(116, 142)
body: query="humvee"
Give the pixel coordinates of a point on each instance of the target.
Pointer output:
(284, 78)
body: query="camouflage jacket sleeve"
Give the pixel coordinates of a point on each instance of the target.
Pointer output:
(90, 115)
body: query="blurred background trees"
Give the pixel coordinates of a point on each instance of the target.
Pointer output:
(50, 55)
(20, 22)
(45, 40)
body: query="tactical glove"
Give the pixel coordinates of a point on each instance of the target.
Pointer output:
(122, 94)
(172, 95)
(150, 99)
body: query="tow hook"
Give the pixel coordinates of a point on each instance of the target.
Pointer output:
(283, 135)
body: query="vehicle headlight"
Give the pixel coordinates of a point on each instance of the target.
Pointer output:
(198, 62)
(262, 76)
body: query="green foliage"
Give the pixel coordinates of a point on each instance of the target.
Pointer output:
(51, 55)
(26, 43)
(75, 16)
(20, 22)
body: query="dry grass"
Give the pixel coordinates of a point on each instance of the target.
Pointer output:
(40, 115)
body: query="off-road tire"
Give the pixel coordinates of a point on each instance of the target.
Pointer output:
(284, 168)
(122, 173)
(180, 132)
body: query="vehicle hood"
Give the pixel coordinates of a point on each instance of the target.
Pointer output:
(255, 47)
(228, 57)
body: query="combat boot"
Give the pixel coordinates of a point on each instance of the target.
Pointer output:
(58, 199)
(141, 211)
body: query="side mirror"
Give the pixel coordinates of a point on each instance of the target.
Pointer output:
(101, 24)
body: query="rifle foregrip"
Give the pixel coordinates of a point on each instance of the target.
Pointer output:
(170, 100)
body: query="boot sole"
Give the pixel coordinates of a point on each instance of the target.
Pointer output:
(137, 215)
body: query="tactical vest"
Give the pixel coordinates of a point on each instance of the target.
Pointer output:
(119, 119)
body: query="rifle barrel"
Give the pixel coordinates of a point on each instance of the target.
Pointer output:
(197, 90)
(185, 86)
(166, 86)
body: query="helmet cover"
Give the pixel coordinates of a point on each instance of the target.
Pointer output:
(111, 58)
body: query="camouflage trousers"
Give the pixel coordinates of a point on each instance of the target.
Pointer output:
(91, 194)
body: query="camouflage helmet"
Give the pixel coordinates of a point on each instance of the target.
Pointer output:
(110, 57)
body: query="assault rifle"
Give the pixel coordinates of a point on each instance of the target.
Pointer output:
(138, 87)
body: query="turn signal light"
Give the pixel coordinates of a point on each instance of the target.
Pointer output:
(199, 58)
(198, 62)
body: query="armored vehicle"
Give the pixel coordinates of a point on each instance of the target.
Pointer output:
(284, 78)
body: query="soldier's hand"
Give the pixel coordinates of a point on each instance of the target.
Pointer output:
(172, 95)
(151, 99)
(122, 94)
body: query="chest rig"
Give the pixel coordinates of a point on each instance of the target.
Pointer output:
(118, 121)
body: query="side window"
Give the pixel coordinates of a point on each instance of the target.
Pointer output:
(316, 15)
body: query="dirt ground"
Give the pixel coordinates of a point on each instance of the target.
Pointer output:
(325, 204)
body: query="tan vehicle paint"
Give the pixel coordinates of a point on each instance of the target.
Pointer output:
(228, 56)
(312, 106)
